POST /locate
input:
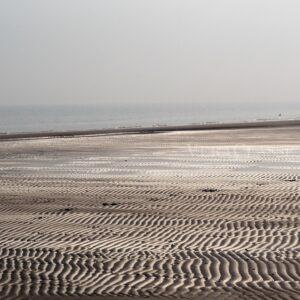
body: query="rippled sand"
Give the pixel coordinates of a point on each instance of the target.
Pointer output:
(202, 215)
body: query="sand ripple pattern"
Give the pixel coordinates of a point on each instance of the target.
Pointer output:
(172, 214)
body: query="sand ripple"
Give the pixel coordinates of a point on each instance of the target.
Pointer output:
(150, 215)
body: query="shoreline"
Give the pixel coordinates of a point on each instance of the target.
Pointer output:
(148, 130)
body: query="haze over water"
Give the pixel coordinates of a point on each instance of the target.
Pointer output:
(69, 64)
(36, 118)
(137, 63)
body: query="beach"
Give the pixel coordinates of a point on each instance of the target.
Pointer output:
(195, 213)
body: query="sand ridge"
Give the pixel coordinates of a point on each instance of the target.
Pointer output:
(201, 215)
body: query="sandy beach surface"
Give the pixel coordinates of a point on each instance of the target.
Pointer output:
(211, 214)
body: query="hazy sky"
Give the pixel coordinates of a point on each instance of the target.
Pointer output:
(129, 51)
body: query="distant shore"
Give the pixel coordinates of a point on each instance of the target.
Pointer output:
(154, 129)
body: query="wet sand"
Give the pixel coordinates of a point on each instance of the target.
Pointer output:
(210, 214)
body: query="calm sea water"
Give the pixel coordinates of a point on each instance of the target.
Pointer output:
(57, 117)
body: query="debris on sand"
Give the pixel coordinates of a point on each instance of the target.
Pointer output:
(210, 190)
(109, 204)
(68, 209)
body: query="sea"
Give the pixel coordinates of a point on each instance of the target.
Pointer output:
(37, 118)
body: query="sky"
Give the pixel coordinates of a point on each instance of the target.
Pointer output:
(149, 51)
